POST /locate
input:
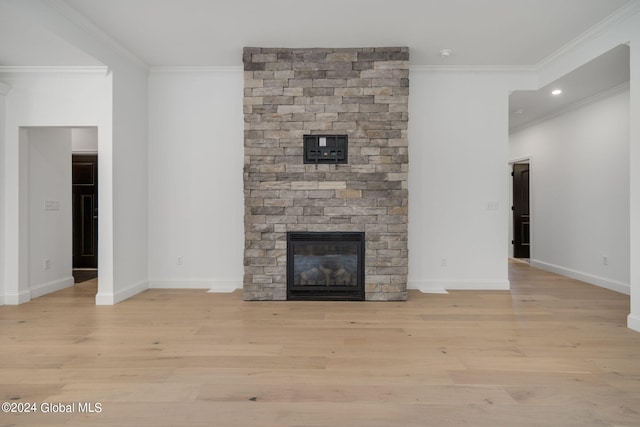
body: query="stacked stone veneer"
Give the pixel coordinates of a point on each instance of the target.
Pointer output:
(289, 93)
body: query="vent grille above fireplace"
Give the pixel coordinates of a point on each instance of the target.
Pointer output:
(325, 149)
(325, 266)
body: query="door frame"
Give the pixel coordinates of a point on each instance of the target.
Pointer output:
(524, 159)
(17, 263)
(96, 226)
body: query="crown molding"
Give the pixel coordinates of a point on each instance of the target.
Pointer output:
(90, 29)
(426, 68)
(571, 107)
(36, 69)
(626, 11)
(196, 69)
(474, 68)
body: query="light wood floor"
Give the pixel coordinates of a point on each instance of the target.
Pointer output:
(552, 352)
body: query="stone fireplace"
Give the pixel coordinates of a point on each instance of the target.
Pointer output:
(291, 97)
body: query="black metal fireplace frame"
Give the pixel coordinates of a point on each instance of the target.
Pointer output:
(325, 293)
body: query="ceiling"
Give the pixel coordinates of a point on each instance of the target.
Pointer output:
(213, 32)
(609, 71)
(23, 42)
(481, 33)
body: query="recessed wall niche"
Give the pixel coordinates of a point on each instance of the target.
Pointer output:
(361, 93)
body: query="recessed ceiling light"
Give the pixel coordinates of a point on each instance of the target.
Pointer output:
(445, 53)
(556, 92)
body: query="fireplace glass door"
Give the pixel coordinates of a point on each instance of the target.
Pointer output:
(324, 266)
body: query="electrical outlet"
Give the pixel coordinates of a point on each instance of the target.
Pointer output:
(47, 264)
(443, 262)
(179, 261)
(605, 260)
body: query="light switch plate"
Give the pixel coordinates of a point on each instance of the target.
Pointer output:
(51, 205)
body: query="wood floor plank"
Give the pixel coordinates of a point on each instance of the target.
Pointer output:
(552, 351)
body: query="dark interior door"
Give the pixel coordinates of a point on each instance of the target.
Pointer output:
(85, 211)
(521, 242)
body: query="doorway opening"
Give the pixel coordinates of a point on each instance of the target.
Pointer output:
(46, 207)
(521, 240)
(85, 216)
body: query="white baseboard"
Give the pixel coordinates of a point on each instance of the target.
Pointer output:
(214, 286)
(225, 287)
(603, 282)
(633, 322)
(426, 286)
(46, 288)
(179, 284)
(17, 298)
(36, 291)
(108, 298)
(444, 285)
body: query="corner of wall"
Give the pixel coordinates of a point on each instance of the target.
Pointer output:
(4, 90)
(112, 298)
(633, 322)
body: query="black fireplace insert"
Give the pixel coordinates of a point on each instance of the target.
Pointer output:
(325, 266)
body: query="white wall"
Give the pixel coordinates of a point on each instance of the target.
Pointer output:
(122, 149)
(84, 140)
(196, 206)
(456, 172)
(123, 192)
(634, 159)
(625, 30)
(4, 89)
(580, 191)
(42, 99)
(50, 215)
(458, 163)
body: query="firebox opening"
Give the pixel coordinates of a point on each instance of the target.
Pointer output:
(325, 266)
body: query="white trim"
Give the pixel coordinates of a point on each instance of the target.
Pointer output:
(195, 69)
(17, 298)
(444, 285)
(426, 287)
(629, 9)
(633, 322)
(613, 285)
(53, 286)
(477, 285)
(84, 152)
(474, 68)
(88, 27)
(180, 284)
(225, 287)
(108, 298)
(574, 106)
(35, 69)
(222, 286)
(522, 159)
